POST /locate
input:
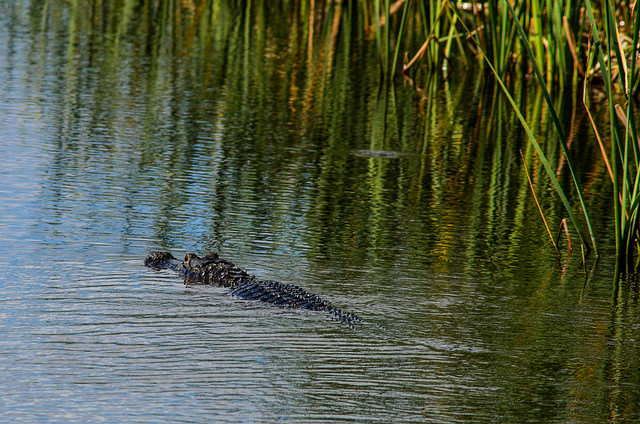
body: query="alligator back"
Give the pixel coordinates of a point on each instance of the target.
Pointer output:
(212, 270)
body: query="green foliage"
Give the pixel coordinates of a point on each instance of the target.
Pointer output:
(549, 169)
(551, 41)
(558, 43)
(619, 63)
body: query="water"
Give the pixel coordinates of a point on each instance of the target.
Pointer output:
(408, 210)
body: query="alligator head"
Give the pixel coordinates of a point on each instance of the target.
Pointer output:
(194, 269)
(161, 260)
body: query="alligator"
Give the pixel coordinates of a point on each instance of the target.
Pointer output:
(212, 270)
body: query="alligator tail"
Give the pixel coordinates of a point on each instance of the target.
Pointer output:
(289, 295)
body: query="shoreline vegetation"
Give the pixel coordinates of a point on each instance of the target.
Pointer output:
(577, 45)
(569, 50)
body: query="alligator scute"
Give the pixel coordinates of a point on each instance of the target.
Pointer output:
(212, 270)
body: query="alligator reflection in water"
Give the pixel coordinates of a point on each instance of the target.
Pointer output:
(212, 270)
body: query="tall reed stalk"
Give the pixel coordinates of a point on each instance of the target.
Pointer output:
(617, 62)
(543, 159)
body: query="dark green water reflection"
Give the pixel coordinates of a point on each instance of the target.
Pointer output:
(130, 127)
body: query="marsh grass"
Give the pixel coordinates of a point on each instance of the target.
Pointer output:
(568, 45)
(557, 43)
(616, 60)
(560, 43)
(564, 46)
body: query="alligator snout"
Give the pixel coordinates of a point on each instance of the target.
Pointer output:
(158, 260)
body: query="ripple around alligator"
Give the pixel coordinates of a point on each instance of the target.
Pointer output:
(117, 342)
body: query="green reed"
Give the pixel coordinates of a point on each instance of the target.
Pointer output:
(617, 62)
(551, 172)
(410, 33)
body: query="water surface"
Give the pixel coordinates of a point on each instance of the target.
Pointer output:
(406, 207)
